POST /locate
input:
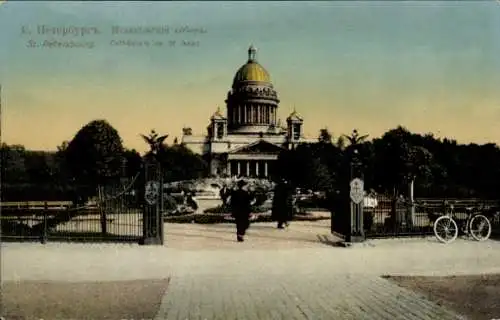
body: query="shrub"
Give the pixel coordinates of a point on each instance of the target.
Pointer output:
(222, 209)
(209, 218)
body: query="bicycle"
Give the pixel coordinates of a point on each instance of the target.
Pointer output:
(476, 225)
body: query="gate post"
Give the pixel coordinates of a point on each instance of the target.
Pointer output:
(152, 218)
(355, 231)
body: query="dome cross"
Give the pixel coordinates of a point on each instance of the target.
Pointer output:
(252, 52)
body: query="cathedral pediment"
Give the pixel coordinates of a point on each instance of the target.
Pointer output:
(260, 146)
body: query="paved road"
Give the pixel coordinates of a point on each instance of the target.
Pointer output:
(291, 297)
(273, 275)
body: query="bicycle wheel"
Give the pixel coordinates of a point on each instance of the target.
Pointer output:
(480, 227)
(445, 229)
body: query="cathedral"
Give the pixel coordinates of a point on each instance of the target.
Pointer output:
(247, 140)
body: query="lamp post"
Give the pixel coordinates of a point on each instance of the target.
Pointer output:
(355, 232)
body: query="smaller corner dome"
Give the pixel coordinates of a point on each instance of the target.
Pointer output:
(252, 70)
(294, 116)
(217, 115)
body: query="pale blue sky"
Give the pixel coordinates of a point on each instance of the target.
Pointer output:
(431, 66)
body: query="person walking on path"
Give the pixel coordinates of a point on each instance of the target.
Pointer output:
(282, 210)
(241, 209)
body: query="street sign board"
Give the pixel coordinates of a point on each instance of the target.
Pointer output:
(357, 190)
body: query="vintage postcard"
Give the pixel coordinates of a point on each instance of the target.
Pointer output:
(250, 159)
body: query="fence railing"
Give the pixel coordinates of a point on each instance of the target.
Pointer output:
(61, 221)
(35, 204)
(397, 217)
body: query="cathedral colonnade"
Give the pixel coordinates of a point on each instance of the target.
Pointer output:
(250, 168)
(253, 114)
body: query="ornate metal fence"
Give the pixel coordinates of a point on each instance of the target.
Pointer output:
(114, 215)
(387, 217)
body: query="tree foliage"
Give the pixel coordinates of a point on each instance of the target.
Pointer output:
(325, 136)
(179, 163)
(438, 167)
(95, 154)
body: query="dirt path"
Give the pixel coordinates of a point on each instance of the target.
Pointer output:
(477, 297)
(99, 300)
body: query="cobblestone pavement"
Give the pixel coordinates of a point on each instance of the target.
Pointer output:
(295, 297)
(273, 275)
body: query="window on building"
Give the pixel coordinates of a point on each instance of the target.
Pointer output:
(220, 130)
(296, 131)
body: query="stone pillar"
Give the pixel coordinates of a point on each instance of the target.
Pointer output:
(257, 168)
(238, 163)
(228, 168)
(265, 169)
(248, 168)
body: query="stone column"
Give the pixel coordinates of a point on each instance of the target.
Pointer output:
(265, 168)
(257, 168)
(238, 163)
(248, 168)
(228, 168)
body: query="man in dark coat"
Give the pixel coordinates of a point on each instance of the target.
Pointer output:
(241, 209)
(282, 210)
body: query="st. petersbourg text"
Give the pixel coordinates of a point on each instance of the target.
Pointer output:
(66, 30)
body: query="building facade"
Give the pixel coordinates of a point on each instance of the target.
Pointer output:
(247, 140)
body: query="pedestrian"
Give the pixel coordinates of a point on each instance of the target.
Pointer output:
(241, 209)
(282, 210)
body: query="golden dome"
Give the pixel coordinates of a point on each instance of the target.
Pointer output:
(252, 70)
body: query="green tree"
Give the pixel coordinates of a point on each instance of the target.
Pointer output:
(133, 162)
(94, 155)
(40, 167)
(180, 163)
(13, 164)
(340, 143)
(325, 136)
(399, 161)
